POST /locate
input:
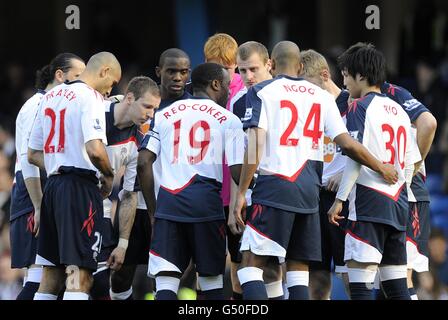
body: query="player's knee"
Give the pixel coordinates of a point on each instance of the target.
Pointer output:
(122, 279)
(272, 273)
(296, 265)
(52, 280)
(250, 259)
(320, 285)
(78, 279)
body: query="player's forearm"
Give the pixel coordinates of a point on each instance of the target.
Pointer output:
(426, 128)
(128, 206)
(360, 154)
(146, 179)
(99, 158)
(36, 157)
(34, 188)
(252, 156)
(351, 174)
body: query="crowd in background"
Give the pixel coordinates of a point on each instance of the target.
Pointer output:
(423, 70)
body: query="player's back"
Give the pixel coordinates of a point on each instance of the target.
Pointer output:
(384, 128)
(295, 113)
(191, 138)
(71, 114)
(386, 134)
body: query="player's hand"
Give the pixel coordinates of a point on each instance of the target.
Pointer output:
(116, 258)
(334, 214)
(390, 175)
(334, 182)
(106, 186)
(239, 210)
(36, 222)
(234, 227)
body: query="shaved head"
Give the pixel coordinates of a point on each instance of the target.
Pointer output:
(286, 56)
(103, 59)
(174, 53)
(103, 71)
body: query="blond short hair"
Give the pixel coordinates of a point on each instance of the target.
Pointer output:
(221, 47)
(247, 49)
(313, 63)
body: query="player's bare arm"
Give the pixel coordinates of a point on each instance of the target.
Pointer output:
(252, 156)
(360, 154)
(426, 125)
(145, 175)
(36, 157)
(126, 213)
(34, 189)
(98, 155)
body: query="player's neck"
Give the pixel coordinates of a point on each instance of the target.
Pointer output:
(290, 72)
(166, 95)
(201, 94)
(121, 118)
(87, 79)
(368, 89)
(51, 86)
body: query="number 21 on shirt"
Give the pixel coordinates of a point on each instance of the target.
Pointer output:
(49, 144)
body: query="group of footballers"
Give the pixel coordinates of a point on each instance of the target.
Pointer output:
(275, 165)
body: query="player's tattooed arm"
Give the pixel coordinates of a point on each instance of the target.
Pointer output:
(36, 157)
(98, 155)
(360, 154)
(128, 206)
(145, 176)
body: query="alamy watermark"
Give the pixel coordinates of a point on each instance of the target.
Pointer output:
(73, 21)
(373, 18)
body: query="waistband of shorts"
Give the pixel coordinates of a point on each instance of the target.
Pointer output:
(79, 172)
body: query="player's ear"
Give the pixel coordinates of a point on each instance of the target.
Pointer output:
(104, 72)
(299, 70)
(59, 76)
(325, 75)
(215, 85)
(272, 66)
(158, 70)
(130, 98)
(269, 65)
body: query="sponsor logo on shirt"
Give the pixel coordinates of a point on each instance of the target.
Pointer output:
(248, 114)
(97, 124)
(411, 104)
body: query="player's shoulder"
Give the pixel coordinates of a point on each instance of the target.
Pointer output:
(84, 91)
(33, 101)
(239, 97)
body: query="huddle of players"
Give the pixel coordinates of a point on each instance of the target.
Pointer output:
(289, 108)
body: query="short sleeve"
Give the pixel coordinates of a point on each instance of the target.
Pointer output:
(412, 106)
(334, 125)
(356, 116)
(36, 140)
(93, 119)
(255, 116)
(234, 143)
(151, 141)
